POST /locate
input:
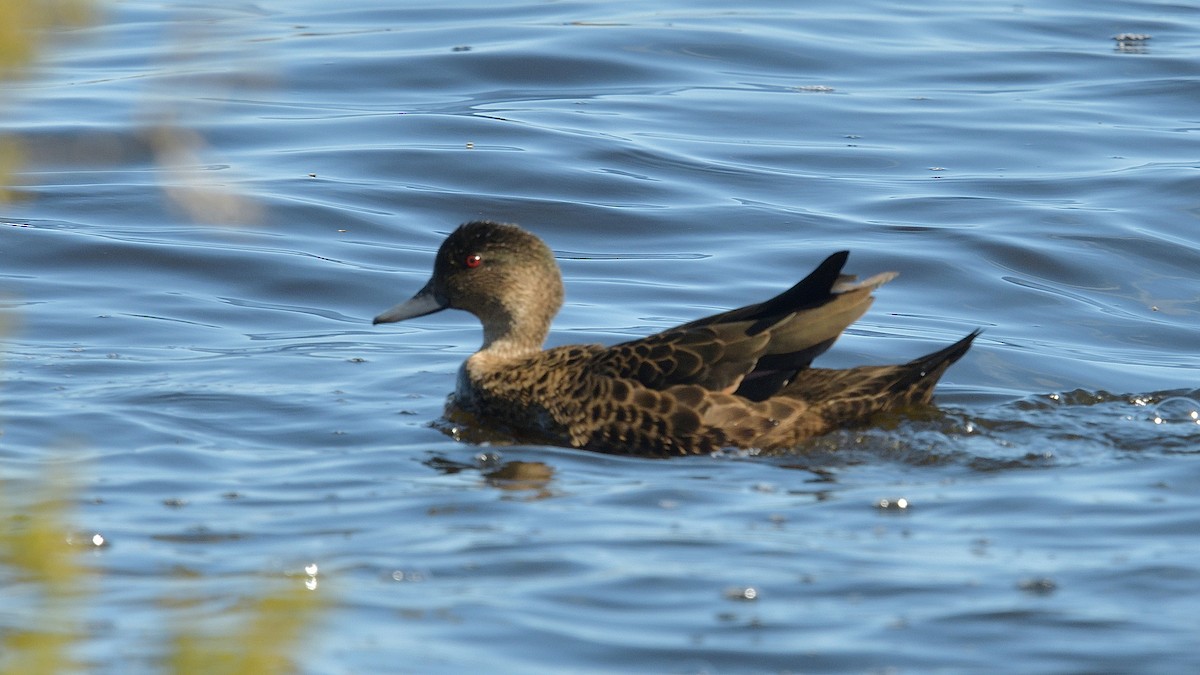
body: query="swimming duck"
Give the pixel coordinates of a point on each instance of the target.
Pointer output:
(737, 379)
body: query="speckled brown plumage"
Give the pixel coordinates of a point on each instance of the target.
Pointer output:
(741, 378)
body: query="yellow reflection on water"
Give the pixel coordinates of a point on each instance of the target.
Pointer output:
(47, 583)
(25, 29)
(24, 25)
(35, 553)
(40, 565)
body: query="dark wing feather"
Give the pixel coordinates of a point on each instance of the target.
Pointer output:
(753, 351)
(803, 322)
(713, 357)
(811, 291)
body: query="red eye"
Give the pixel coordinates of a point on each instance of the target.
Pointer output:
(474, 260)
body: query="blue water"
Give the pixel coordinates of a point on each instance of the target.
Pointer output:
(187, 327)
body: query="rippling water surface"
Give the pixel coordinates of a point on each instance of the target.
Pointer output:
(216, 199)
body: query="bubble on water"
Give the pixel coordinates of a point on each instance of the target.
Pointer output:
(742, 593)
(893, 504)
(411, 576)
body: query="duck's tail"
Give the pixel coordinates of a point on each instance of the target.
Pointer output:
(853, 395)
(919, 376)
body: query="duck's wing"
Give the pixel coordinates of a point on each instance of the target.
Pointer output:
(810, 292)
(755, 350)
(716, 358)
(802, 322)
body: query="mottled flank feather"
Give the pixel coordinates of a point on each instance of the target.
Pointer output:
(740, 379)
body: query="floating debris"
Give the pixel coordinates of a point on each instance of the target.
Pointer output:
(1131, 43)
(1038, 586)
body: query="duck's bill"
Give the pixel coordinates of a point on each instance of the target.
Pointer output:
(424, 302)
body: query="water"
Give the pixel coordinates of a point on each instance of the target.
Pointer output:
(231, 418)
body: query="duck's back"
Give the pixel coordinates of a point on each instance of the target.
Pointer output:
(573, 396)
(570, 395)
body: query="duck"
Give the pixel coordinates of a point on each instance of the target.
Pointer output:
(737, 380)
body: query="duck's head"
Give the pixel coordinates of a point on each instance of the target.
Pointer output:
(502, 274)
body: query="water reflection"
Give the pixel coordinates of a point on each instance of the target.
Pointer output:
(522, 476)
(1036, 432)
(511, 476)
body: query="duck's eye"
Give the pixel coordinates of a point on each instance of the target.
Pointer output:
(474, 260)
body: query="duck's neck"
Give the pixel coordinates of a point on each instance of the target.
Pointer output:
(510, 345)
(516, 324)
(511, 335)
